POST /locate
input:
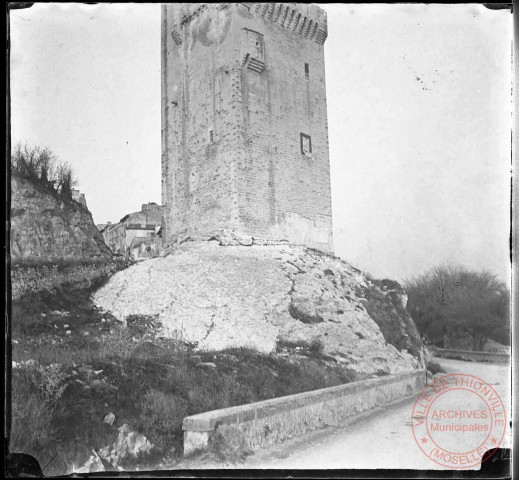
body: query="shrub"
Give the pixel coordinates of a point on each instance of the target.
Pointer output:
(213, 392)
(162, 415)
(435, 367)
(228, 444)
(31, 424)
(34, 408)
(316, 348)
(49, 380)
(41, 166)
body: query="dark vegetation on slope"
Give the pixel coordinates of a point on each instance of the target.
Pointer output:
(75, 364)
(394, 321)
(41, 167)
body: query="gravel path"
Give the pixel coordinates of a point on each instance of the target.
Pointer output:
(381, 440)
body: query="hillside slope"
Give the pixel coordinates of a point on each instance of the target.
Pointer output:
(48, 228)
(270, 298)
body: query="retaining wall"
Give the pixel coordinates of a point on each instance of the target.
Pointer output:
(472, 355)
(272, 421)
(33, 278)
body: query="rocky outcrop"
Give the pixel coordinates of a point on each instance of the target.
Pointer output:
(128, 444)
(48, 228)
(267, 298)
(385, 302)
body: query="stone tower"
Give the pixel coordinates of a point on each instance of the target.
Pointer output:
(244, 122)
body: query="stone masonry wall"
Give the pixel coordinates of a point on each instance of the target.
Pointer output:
(471, 356)
(198, 190)
(29, 279)
(283, 193)
(266, 423)
(236, 98)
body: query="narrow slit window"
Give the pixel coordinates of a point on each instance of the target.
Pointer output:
(307, 70)
(306, 145)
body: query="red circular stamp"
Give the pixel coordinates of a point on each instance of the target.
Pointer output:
(456, 419)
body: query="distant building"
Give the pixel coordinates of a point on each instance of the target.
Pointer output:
(79, 197)
(146, 247)
(102, 226)
(133, 230)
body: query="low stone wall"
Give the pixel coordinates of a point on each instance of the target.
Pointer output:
(472, 356)
(272, 421)
(33, 278)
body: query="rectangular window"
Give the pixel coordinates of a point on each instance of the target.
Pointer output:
(253, 50)
(254, 44)
(307, 70)
(306, 144)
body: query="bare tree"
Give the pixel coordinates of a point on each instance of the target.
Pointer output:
(41, 166)
(65, 179)
(47, 165)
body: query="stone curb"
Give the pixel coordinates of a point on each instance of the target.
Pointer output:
(289, 413)
(471, 355)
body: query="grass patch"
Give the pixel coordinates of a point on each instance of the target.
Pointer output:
(435, 367)
(75, 364)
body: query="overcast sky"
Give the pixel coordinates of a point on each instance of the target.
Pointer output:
(418, 112)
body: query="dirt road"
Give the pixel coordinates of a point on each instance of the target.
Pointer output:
(383, 439)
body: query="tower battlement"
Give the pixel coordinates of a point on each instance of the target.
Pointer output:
(244, 122)
(305, 19)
